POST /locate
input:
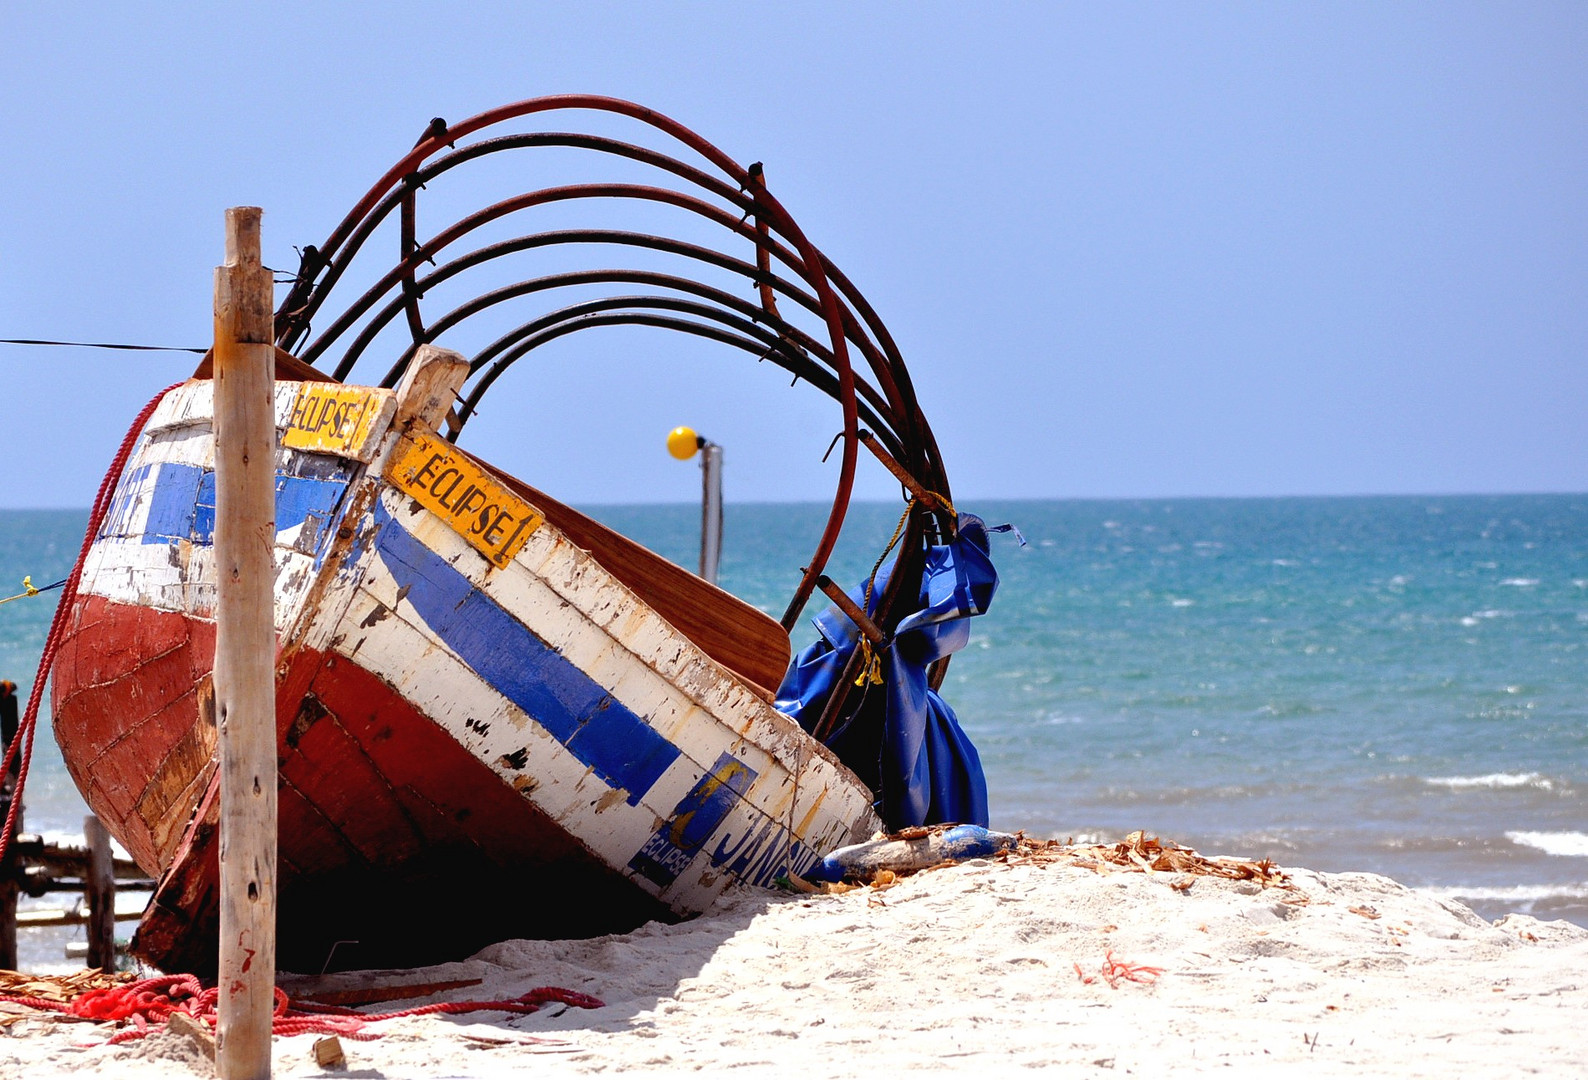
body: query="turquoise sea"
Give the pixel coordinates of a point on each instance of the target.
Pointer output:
(1395, 684)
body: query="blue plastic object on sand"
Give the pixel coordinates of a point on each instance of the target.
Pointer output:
(955, 844)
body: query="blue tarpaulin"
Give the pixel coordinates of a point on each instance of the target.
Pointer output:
(901, 737)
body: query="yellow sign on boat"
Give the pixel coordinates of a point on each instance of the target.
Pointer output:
(479, 507)
(331, 418)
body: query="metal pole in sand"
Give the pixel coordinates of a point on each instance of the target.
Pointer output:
(245, 689)
(710, 510)
(683, 444)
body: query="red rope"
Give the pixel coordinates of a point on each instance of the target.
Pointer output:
(23, 741)
(149, 1004)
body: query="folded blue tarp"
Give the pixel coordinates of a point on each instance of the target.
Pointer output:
(902, 738)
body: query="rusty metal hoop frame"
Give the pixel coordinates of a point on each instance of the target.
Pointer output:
(736, 200)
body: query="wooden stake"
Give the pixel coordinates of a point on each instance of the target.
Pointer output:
(99, 889)
(11, 866)
(245, 643)
(8, 911)
(429, 387)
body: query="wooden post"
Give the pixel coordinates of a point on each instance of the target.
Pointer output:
(245, 645)
(99, 889)
(10, 868)
(429, 387)
(11, 865)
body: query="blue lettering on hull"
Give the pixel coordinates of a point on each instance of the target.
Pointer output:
(697, 815)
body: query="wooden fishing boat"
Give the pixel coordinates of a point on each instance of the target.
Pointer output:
(496, 717)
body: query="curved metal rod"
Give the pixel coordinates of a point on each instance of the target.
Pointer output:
(544, 196)
(309, 292)
(438, 139)
(929, 468)
(294, 315)
(576, 278)
(823, 380)
(534, 285)
(777, 215)
(401, 276)
(709, 256)
(773, 347)
(479, 256)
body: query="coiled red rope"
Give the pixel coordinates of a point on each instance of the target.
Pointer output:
(22, 743)
(148, 1004)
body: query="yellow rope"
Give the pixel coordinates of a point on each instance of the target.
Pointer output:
(865, 600)
(946, 505)
(28, 590)
(870, 662)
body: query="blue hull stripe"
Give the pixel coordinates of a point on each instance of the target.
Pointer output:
(596, 728)
(182, 503)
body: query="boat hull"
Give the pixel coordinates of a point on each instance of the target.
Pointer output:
(474, 743)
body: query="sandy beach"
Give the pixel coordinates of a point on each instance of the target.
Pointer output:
(1048, 964)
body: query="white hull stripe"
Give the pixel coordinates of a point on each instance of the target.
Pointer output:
(600, 731)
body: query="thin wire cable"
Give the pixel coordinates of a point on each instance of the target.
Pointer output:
(102, 345)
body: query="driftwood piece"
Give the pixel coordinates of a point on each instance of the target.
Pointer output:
(195, 1031)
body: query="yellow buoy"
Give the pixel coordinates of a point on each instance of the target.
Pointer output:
(682, 442)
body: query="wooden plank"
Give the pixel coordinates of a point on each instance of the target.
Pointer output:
(195, 1031)
(72, 917)
(99, 890)
(288, 368)
(344, 990)
(245, 533)
(743, 639)
(429, 387)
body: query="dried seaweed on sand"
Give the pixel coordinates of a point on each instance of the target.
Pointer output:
(60, 988)
(1137, 853)
(1145, 854)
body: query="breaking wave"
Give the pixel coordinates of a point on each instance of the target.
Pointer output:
(1509, 893)
(1553, 843)
(1492, 780)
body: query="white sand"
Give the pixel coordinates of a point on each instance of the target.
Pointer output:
(971, 969)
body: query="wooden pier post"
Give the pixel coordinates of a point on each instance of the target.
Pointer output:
(10, 868)
(99, 890)
(11, 865)
(245, 641)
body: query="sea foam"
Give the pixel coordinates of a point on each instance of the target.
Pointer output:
(1492, 780)
(1553, 843)
(1513, 894)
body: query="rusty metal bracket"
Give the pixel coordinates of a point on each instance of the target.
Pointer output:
(836, 594)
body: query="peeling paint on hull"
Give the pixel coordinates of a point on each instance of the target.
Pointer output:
(468, 751)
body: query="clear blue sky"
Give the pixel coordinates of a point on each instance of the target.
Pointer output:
(1127, 251)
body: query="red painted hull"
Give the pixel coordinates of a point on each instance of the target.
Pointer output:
(394, 841)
